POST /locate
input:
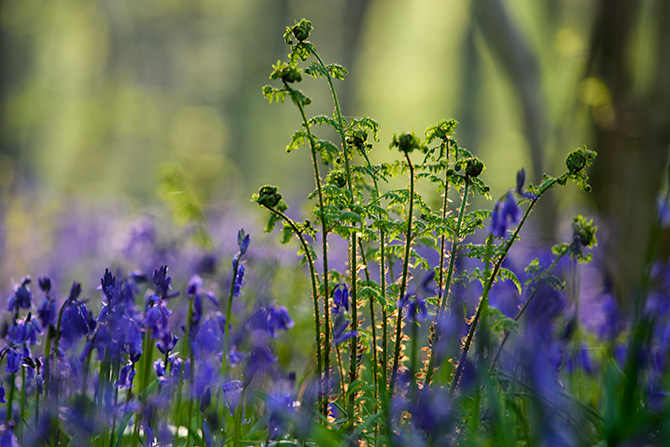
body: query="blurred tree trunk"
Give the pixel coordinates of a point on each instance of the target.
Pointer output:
(355, 12)
(519, 64)
(510, 47)
(631, 135)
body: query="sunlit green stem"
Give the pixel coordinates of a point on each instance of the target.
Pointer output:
(324, 249)
(405, 269)
(452, 261)
(312, 273)
(373, 326)
(353, 371)
(147, 355)
(491, 278)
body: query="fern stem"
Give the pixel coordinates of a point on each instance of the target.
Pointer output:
(489, 283)
(450, 272)
(405, 268)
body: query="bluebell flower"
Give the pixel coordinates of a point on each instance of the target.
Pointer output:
(340, 332)
(239, 279)
(208, 338)
(46, 312)
(159, 368)
(16, 334)
(340, 321)
(231, 392)
(206, 433)
(8, 438)
(234, 356)
(162, 283)
(281, 406)
(612, 323)
(243, 241)
(156, 319)
(2, 392)
(179, 367)
(278, 319)
(167, 342)
(109, 288)
(504, 213)
(44, 283)
(547, 304)
(22, 297)
(520, 180)
(431, 413)
(76, 320)
(14, 358)
(259, 363)
(148, 435)
(416, 309)
(270, 319)
(126, 376)
(341, 297)
(206, 399)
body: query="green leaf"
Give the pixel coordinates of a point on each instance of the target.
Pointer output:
(507, 274)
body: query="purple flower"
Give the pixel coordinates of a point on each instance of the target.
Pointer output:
(14, 358)
(2, 392)
(162, 283)
(340, 326)
(270, 319)
(76, 319)
(235, 357)
(22, 297)
(167, 342)
(504, 214)
(47, 312)
(340, 297)
(159, 367)
(239, 278)
(281, 406)
(44, 283)
(243, 241)
(206, 433)
(8, 438)
(278, 319)
(259, 363)
(340, 321)
(126, 376)
(232, 391)
(416, 310)
(208, 338)
(520, 180)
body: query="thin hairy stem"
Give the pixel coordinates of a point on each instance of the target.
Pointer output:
(312, 273)
(489, 283)
(324, 249)
(405, 269)
(450, 272)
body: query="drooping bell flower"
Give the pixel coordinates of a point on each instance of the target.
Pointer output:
(22, 297)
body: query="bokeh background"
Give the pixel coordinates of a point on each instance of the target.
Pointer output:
(112, 110)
